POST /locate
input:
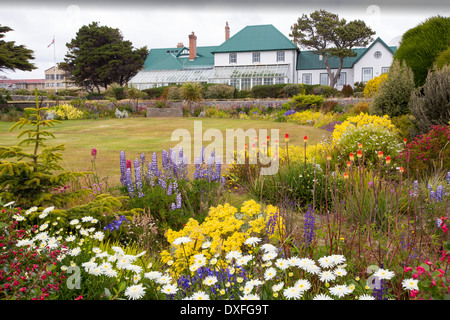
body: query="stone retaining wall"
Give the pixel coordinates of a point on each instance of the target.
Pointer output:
(164, 112)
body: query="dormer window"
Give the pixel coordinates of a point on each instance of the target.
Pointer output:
(256, 57)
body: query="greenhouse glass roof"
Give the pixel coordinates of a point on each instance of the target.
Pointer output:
(209, 74)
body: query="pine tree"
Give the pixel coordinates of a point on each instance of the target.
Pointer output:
(35, 177)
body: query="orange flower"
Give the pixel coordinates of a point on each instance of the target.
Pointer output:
(359, 154)
(351, 156)
(305, 139)
(360, 145)
(388, 159)
(349, 163)
(346, 175)
(380, 154)
(401, 169)
(328, 157)
(286, 137)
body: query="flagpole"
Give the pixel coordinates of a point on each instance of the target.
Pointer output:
(54, 60)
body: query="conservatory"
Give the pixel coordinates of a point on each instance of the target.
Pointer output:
(241, 77)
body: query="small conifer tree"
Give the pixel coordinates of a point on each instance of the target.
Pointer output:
(35, 178)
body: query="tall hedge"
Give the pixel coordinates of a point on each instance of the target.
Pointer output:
(421, 45)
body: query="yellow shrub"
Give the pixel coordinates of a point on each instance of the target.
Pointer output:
(361, 120)
(297, 153)
(373, 85)
(307, 117)
(67, 111)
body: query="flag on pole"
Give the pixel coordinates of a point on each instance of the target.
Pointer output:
(53, 41)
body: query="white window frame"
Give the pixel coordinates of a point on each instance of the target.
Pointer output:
(384, 70)
(304, 80)
(363, 79)
(281, 56)
(256, 57)
(320, 79)
(232, 58)
(342, 80)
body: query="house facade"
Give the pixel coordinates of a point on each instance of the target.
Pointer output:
(256, 55)
(57, 80)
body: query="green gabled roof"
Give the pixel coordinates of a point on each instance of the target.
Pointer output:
(257, 38)
(307, 60)
(171, 58)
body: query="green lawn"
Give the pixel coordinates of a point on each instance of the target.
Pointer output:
(142, 135)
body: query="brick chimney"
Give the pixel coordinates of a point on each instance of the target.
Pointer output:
(180, 45)
(192, 46)
(227, 32)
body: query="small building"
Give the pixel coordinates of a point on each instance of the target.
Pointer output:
(62, 80)
(28, 84)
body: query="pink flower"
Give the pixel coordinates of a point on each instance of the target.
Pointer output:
(414, 293)
(428, 262)
(407, 269)
(420, 269)
(94, 152)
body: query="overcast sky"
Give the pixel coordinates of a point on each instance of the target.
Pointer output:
(161, 24)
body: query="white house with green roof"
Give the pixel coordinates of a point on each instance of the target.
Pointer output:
(369, 62)
(256, 55)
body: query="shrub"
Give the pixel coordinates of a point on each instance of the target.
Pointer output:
(443, 58)
(242, 94)
(116, 91)
(358, 87)
(291, 90)
(220, 91)
(305, 101)
(394, 93)
(430, 104)
(361, 120)
(325, 91)
(173, 93)
(67, 112)
(405, 125)
(428, 151)
(421, 45)
(191, 93)
(347, 90)
(328, 106)
(361, 106)
(373, 85)
(307, 117)
(373, 139)
(268, 91)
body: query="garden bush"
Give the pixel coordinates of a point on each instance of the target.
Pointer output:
(443, 58)
(372, 86)
(220, 91)
(305, 101)
(347, 91)
(428, 152)
(173, 93)
(291, 90)
(430, 104)
(394, 93)
(268, 91)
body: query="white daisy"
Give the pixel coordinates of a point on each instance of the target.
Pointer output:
(294, 261)
(41, 236)
(105, 266)
(303, 285)
(32, 209)
(292, 293)
(250, 296)
(277, 287)
(270, 273)
(410, 284)
(181, 240)
(74, 222)
(242, 261)
(75, 251)
(169, 289)
(304, 263)
(281, 263)
(200, 295)
(164, 279)
(153, 275)
(384, 274)
(340, 272)
(18, 218)
(88, 265)
(95, 271)
(199, 259)
(269, 256)
(234, 254)
(267, 247)
(255, 282)
(322, 296)
(326, 262)
(252, 241)
(111, 273)
(99, 235)
(210, 281)
(337, 258)
(86, 219)
(70, 238)
(326, 276)
(206, 244)
(339, 290)
(366, 297)
(48, 210)
(313, 269)
(134, 292)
